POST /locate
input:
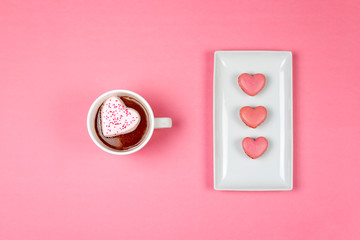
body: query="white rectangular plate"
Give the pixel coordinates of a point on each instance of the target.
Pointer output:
(233, 169)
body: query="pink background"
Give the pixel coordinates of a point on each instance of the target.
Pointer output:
(56, 57)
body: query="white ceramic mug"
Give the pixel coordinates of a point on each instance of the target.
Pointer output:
(152, 121)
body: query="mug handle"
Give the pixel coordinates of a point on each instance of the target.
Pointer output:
(162, 123)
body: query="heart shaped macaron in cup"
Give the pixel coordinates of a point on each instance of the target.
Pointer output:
(251, 84)
(254, 148)
(253, 117)
(117, 119)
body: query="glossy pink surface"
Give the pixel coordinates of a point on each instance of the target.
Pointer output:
(253, 117)
(57, 57)
(252, 84)
(254, 148)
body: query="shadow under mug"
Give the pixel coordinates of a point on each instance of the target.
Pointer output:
(152, 121)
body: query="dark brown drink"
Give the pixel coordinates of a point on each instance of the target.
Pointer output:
(129, 140)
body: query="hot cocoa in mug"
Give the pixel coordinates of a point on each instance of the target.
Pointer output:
(122, 122)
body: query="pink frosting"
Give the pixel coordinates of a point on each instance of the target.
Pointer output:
(253, 117)
(254, 148)
(251, 84)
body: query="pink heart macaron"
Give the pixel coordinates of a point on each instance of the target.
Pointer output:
(251, 84)
(254, 148)
(117, 119)
(253, 117)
